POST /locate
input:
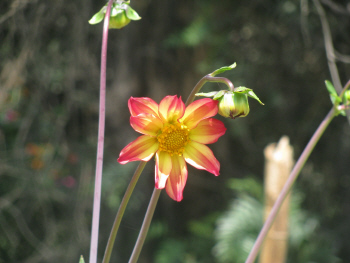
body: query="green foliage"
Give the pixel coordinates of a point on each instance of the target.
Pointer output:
(336, 100)
(247, 185)
(195, 248)
(121, 14)
(219, 95)
(131, 13)
(238, 228)
(192, 36)
(332, 92)
(249, 92)
(223, 69)
(98, 17)
(172, 251)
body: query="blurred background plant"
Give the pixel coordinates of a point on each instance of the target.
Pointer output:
(49, 78)
(237, 229)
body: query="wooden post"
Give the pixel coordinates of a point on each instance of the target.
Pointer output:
(279, 162)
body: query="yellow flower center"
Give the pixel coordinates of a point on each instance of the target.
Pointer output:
(173, 139)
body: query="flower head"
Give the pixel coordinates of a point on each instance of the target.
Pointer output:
(175, 135)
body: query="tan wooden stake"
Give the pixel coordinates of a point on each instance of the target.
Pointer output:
(279, 162)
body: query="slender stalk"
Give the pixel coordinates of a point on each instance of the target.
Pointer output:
(329, 47)
(204, 80)
(100, 141)
(289, 183)
(330, 52)
(121, 211)
(145, 226)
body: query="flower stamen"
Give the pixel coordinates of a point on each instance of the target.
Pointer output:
(173, 139)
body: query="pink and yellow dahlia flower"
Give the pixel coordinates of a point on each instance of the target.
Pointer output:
(176, 135)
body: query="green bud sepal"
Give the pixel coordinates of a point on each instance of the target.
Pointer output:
(341, 103)
(232, 104)
(223, 69)
(121, 15)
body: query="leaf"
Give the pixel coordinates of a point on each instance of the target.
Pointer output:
(223, 69)
(116, 10)
(208, 94)
(220, 94)
(252, 95)
(334, 99)
(330, 88)
(342, 112)
(131, 13)
(215, 94)
(81, 259)
(249, 92)
(98, 17)
(241, 90)
(332, 92)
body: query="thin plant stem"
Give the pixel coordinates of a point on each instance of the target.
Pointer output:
(329, 47)
(205, 79)
(121, 211)
(288, 185)
(145, 226)
(292, 177)
(100, 141)
(330, 52)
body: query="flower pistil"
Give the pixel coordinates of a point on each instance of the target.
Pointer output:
(173, 138)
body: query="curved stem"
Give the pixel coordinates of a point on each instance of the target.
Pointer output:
(205, 79)
(145, 226)
(288, 185)
(100, 141)
(121, 211)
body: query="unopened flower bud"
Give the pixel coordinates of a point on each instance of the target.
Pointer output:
(120, 15)
(233, 105)
(119, 21)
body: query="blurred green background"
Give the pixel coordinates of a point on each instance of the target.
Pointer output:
(49, 86)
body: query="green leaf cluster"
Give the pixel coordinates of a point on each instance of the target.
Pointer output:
(223, 69)
(238, 228)
(337, 100)
(121, 15)
(218, 94)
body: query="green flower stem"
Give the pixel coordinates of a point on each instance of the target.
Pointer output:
(205, 79)
(121, 211)
(145, 226)
(100, 141)
(288, 185)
